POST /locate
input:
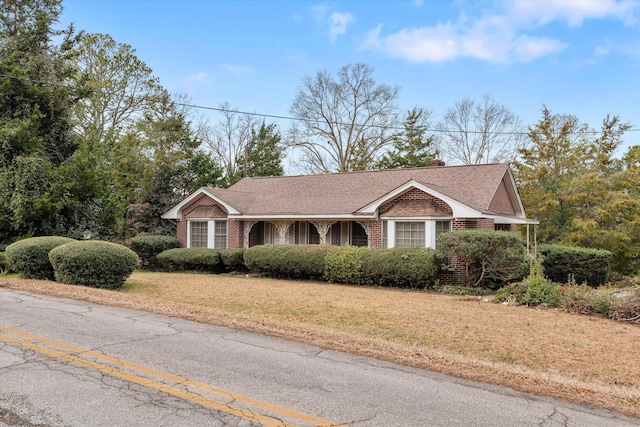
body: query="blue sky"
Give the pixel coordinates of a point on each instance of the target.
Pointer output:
(576, 57)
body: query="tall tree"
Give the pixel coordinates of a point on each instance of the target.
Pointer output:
(35, 103)
(583, 196)
(344, 122)
(263, 154)
(228, 139)
(121, 88)
(413, 147)
(480, 132)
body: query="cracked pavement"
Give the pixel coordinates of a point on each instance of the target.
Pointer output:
(71, 363)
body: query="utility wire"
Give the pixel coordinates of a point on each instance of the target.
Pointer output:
(275, 116)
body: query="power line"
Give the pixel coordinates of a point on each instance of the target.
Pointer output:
(275, 116)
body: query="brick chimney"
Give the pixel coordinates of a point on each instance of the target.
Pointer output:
(436, 162)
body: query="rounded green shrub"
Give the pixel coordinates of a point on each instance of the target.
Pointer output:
(191, 259)
(572, 264)
(289, 261)
(149, 247)
(417, 268)
(94, 263)
(30, 257)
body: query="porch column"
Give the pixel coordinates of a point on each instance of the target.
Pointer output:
(283, 227)
(366, 225)
(248, 225)
(323, 228)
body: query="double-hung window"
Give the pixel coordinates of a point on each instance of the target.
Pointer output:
(410, 234)
(405, 233)
(210, 234)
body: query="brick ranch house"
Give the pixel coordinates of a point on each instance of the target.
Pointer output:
(379, 209)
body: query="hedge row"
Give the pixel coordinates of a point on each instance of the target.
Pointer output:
(575, 265)
(397, 267)
(288, 261)
(202, 260)
(90, 263)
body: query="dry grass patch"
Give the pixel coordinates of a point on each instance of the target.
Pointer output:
(577, 358)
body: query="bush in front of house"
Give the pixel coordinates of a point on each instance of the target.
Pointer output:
(233, 260)
(397, 267)
(148, 247)
(572, 264)
(417, 268)
(30, 257)
(490, 258)
(288, 261)
(344, 265)
(200, 260)
(93, 263)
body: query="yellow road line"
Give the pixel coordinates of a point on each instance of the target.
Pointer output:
(194, 397)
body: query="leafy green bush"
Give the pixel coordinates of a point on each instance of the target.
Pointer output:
(490, 258)
(148, 247)
(233, 260)
(30, 257)
(93, 263)
(397, 267)
(402, 267)
(290, 261)
(542, 291)
(513, 293)
(562, 264)
(345, 265)
(201, 260)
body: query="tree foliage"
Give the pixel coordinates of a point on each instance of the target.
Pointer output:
(412, 147)
(344, 122)
(263, 154)
(570, 181)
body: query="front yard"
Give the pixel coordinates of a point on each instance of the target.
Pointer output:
(578, 358)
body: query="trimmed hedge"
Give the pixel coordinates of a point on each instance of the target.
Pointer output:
(403, 267)
(397, 267)
(148, 247)
(288, 261)
(201, 260)
(30, 257)
(94, 263)
(233, 260)
(572, 264)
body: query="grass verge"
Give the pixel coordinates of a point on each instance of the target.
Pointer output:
(577, 358)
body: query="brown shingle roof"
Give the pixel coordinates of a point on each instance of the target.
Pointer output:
(346, 193)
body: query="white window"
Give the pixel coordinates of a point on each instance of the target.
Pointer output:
(413, 233)
(410, 234)
(210, 234)
(198, 234)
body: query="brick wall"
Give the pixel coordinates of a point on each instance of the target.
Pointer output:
(414, 194)
(181, 224)
(375, 234)
(235, 234)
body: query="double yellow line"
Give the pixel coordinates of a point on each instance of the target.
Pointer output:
(192, 391)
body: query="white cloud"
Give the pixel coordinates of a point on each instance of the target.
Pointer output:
(499, 35)
(236, 70)
(417, 3)
(338, 24)
(573, 12)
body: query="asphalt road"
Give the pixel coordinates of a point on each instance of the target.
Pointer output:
(71, 363)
